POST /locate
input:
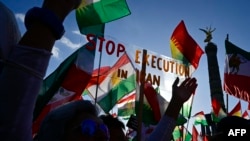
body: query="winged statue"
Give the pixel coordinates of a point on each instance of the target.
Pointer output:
(208, 31)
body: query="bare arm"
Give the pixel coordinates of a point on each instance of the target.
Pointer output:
(180, 95)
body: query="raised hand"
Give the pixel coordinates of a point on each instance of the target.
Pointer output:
(182, 92)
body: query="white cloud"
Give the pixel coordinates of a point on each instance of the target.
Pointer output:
(77, 32)
(55, 52)
(20, 16)
(68, 43)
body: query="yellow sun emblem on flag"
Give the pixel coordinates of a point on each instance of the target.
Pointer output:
(115, 79)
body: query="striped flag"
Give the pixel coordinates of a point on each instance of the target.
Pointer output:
(245, 115)
(119, 81)
(177, 134)
(237, 66)
(188, 135)
(152, 98)
(126, 105)
(92, 13)
(200, 119)
(217, 113)
(65, 84)
(195, 135)
(187, 107)
(183, 46)
(236, 111)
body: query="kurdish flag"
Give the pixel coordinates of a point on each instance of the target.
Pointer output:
(152, 98)
(177, 133)
(187, 107)
(65, 84)
(200, 118)
(112, 86)
(236, 72)
(97, 12)
(217, 113)
(245, 115)
(195, 134)
(236, 111)
(126, 105)
(183, 46)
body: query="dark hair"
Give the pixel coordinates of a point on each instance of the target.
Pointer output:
(231, 123)
(52, 127)
(112, 122)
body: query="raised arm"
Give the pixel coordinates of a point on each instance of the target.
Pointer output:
(180, 94)
(25, 67)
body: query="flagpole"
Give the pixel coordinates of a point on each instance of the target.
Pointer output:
(98, 74)
(227, 102)
(190, 111)
(141, 96)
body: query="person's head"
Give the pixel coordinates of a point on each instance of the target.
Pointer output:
(74, 121)
(10, 33)
(116, 128)
(226, 129)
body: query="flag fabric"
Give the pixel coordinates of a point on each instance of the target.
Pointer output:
(187, 107)
(205, 138)
(181, 120)
(217, 109)
(245, 115)
(177, 133)
(97, 12)
(151, 96)
(217, 112)
(237, 66)
(188, 136)
(65, 84)
(184, 47)
(195, 134)
(200, 118)
(126, 105)
(163, 103)
(112, 86)
(236, 111)
(154, 105)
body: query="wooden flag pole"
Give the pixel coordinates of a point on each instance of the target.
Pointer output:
(141, 96)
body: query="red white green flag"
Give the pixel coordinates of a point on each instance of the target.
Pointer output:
(65, 84)
(236, 72)
(177, 133)
(92, 13)
(217, 112)
(184, 47)
(126, 105)
(187, 107)
(245, 115)
(200, 118)
(195, 135)
(119, 81)
(236, 111)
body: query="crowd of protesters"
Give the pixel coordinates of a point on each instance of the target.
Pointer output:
(23, 65)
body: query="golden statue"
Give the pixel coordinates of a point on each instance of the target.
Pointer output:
(208, 32)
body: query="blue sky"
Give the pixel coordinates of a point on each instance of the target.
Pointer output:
(150, 26)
